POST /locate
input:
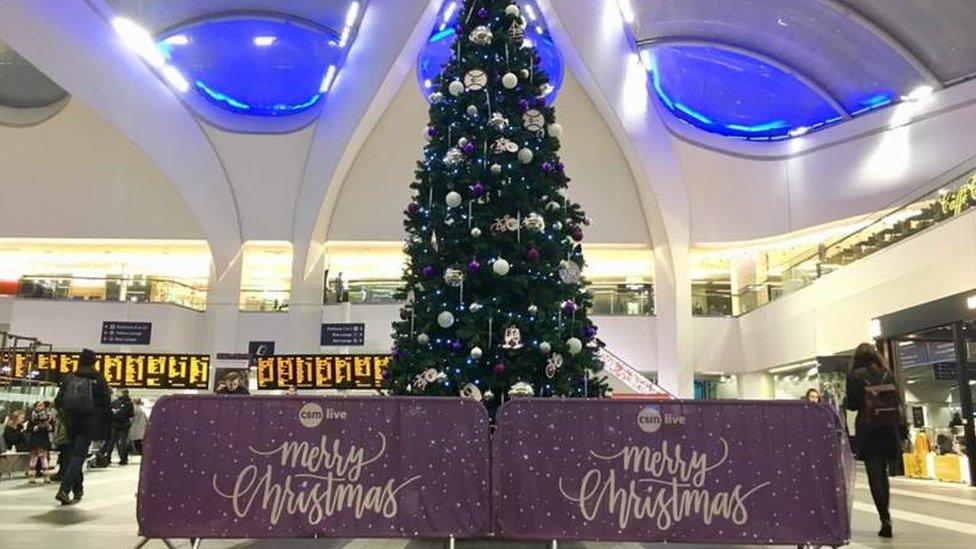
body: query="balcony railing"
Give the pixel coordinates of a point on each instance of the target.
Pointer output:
(275, 300)
(134, 289)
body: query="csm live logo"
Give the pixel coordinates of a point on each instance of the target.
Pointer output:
(312, 415)
(650, 419)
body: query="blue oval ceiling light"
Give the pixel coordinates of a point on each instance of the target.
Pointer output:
(437, 51)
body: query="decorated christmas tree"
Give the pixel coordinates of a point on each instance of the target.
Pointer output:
(496, 304)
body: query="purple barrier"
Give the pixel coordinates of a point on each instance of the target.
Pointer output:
(291, 467)
(675, 471)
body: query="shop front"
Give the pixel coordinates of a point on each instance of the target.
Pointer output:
(933, 350)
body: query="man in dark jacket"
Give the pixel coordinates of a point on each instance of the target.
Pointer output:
(122, 413)
(83, 399)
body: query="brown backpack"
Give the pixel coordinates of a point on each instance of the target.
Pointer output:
(882, 403)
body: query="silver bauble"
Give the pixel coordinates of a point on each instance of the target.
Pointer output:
(456, 88)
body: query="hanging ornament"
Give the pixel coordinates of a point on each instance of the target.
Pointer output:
(533, 309)
(496, 169)
(478, 189)
(475, 80)
(501, 267)
(456, 88)
(546, 90)
(534, 222)
(569, 307)
(423, 339)
(476, 353)
(533, 120)
(525, 155)
(552, 206)
(445, 319)
(457, 345)
(574, 345)
(475, 307)
(503, 145)
(553, 365)
(516, 31)
(436, 97)
(590, 331)
(547, 167)
(545, 347)
(489, 395)
(504, 224)
(521, 389)
(498, 121)
(453, 199)
(557, 226)
(413, 207)
(467, 148)
(471, 392)
(462, 141)
(481, 35)
(577, 234)
(532, 255)
(513, 338)
(428, 272)
(569, 272)
(429, 133)
(472, 111)
(434, 243)
(509, 81)
(499, 369)
(474, 267)
(512, 10)
(556, 130)
(524, 73)
(523, 104)
(475, 232)
(453, 157)
(453, 277)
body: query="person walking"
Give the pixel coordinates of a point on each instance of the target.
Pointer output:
(38, 442)
(138, 430)
(873, 393)
(59, 439)
(122, 414)
(84, 400)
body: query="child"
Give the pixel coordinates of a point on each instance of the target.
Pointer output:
(38, 434)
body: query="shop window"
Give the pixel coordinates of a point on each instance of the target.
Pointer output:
(266, 276)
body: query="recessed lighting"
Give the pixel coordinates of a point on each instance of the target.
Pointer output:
(920, 93)
(971, 302)
(875, 328)
(262, 41)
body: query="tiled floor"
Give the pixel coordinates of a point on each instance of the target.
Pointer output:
(927, 514)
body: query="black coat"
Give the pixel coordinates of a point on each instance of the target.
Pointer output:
(13, 438)
(97, 425)
(871, 442)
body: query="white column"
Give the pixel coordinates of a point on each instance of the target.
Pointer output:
(222, 308)
(755, 386)
(305, 305)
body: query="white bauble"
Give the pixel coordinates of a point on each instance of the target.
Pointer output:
(475, 307)
(574, 345)
(509, 80)
(472, 111)
(476, 353)
(453, 199)
(436, 97)
(552, 206)
(525, 155)
(496, 169)
(427, 135)
(456, 88)
(462, 141)
(501, 267)
(423, 339)
(545, 347)
(557, 226)
(446, 319)
(476, 232)
(556, 130)
(512, 11)
(533, 309)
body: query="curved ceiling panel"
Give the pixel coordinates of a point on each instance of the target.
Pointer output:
(732, 93)
(437, 52)
(22, 85)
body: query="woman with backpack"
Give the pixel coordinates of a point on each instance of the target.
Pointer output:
(873, 393)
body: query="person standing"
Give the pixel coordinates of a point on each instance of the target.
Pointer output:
(13, 431)
(873, 393)
(38, 442)
(138, 430)
(233, 385)
(84, 400)
(122, 414)
(813, 395)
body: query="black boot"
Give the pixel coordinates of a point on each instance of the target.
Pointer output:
(885, 531)
(63, 498)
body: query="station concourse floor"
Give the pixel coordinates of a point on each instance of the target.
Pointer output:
(926, 514)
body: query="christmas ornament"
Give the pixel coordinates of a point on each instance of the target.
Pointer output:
(475, 232)
(512, 10)
(475, 307)
(472, 111)
(457, 345)
(556, 130)
(477, 190)
(552, 206)
(481, 35)
(545, 90)
(509, 81)
(413, 207)
(472, 392)
(533, 120)
(524, 73)
(496, 169)
(434, 243)
(456, 88)
(499, 369)
(503, 145)
(521, 389)
(547, 167)
(574, 345)
(577, 234)
(501, 267)
(453, 199)
(505, 224)
(462, 141)
(590, 331)
(534, 222)
(474, 267)
(476, 353)
(483, 13)
(516, 31)
(453, 277)
(423, 339)
(569, 272)
(523, 105)
(453, 157)
(553, 365)
(569, 307)
(525, 155)
(475, 80)
(532, 255)
(427, 134)
(445, 319)
(557, 226)
(436, 97)
(489, 395)
(545, 347)
(498, 121)
(428, 271)
(513, 338)
(467, 148)
(533, 309)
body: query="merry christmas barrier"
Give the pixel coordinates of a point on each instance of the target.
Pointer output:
(288, 467)
(675, 471)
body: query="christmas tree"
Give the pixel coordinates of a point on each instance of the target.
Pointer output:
(496, 304)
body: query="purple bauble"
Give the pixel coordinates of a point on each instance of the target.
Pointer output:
(577, 234)
(432, 131)
(397, 354)
(547, 167)
(483, 13)
(523, 105)
(477, 190)
(474, 267)
(457, 345)
(532, 254)
(468, 148)
(589, 331)
(561, 167)
(569, 307)
(500, 369)
(428, 272)
(540, 103)
(413, 207)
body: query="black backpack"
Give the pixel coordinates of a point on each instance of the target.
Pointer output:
(882, 403)
(78, 396)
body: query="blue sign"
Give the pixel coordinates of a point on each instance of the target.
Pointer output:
(126, 333)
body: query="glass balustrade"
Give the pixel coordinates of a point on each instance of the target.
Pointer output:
(136, 289)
